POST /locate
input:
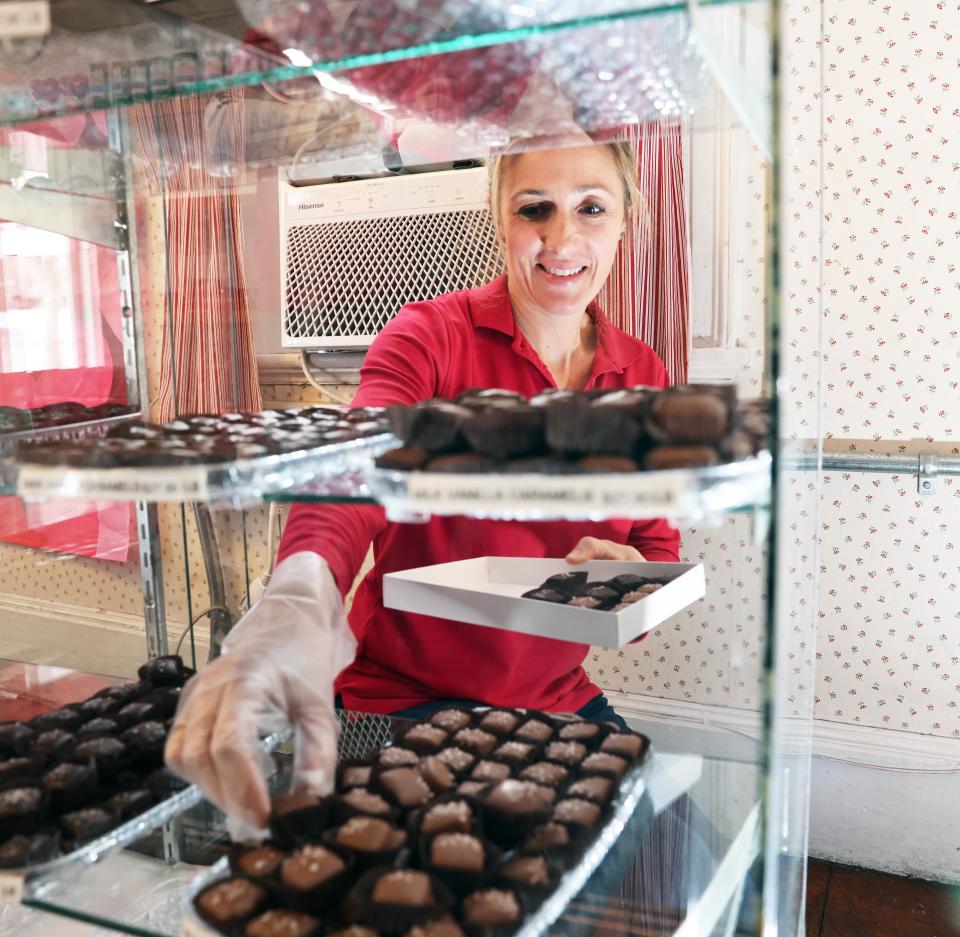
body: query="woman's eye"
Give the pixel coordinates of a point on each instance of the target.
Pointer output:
(534, 212)
(593, 209)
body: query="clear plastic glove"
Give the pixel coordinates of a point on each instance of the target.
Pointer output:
(277, 668)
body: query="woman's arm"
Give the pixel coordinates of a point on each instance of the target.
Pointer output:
(405, 364)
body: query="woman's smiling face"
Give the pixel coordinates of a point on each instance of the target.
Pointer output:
(561, 216)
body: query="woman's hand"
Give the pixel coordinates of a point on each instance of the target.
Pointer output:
(591, 548)
(278, 668)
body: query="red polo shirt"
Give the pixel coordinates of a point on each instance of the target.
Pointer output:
(438, 349)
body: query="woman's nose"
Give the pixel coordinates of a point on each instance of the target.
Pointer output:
(558, 231)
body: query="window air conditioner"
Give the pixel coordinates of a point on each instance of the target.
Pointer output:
(355, 252)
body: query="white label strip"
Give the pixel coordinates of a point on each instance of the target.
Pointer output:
(11, 888)
(24, 19)
(41, 481)
(629, 494)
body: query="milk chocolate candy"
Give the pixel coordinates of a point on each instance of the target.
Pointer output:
(404, 459)
(685, 416)
(514, 753)
(475, 740)
(525, 870)
(298, 816)
(598, 789)
(534, 731)
(311, 878)
(457, 760)
(359, 800)
(604, 763)
(459, 851)
(227, 904)
(585, 732)
(606, 464)
(256, 862)
(566, 753)
(627, 745)
(490, 771)
(500, 722)
(451, 719)
(405, 787)
(283, 922)
(465, 463)
(445, 927)
(577, 812)
(546, 773)
(663, 458)
(396, 756)
(454, 816)
(438, 774)
(424, 739)
(492, 908)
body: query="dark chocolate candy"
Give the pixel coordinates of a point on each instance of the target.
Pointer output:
(547, 836)
(507, 431)
(66, 718)
(71, 785)
(29, 849)
(597, 590)
(682, 416)
(434, 425)
(97, 706)
(98, 727)
(626, 582)
(15, 738)
(606, 464)
(355, 776)
(547, 595)
(444, 927)
(21, 801)
(127, 804)
(22, 767)
(465, 463)
(88, 823)
(569, 583)
(52, 742)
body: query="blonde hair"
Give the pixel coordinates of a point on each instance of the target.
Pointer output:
(624, 159)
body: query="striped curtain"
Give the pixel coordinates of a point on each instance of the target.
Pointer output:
(648, 292)
(208, 362)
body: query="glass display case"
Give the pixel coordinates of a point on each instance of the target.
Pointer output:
(214, 207)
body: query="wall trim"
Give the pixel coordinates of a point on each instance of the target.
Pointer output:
(90, 617)
(867, 746)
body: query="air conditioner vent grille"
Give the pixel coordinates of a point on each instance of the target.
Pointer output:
(347, 279)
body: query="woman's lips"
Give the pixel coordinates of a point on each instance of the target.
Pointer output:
(561, 274)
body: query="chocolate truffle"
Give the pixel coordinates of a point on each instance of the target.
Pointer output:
(138, 711)
(457, 851)
(363, 801)
(456, 759)
(105, 751)
(568, 583)
(596, 788)
(51, 742)
(309, 867)
(406, 786)
(259, 861)
(230, 902)
(20, 802)
(98, 706)
(127, 804)
(404, 887)
(577, 812)
(499, 722)
(65, 718)
(97, 727)
(30, 849)
(526, 870)
(369, 834)
(282, 922)
(86, 824)
(451, 719)
(579, 731)
(567, 753)
(14, 738)
(475, 740)
(533, 730)
(71, 785)
(20, 768)
(490, 771)
(514, 753)
(547, 595)
(395, 757)
(454, 816)
(494, 907)
(604, 763)
(545, 772)
(424, 738)
(624, 744)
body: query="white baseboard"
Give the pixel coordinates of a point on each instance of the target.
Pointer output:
(879, 798)
(93, 617)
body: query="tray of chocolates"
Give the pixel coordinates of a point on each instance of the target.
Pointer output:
(684, 451)
(602, 602)
(80, 781)
(68, 420)
(229, 456)
(474, 823)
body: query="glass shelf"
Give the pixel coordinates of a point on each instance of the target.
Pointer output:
(688, 494)
(684, 861)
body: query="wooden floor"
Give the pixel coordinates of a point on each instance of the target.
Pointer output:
(845, 902)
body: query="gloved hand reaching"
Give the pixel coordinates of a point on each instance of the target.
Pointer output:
(277, 668)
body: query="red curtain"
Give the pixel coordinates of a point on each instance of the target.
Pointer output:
(208, 362)
(648, 293)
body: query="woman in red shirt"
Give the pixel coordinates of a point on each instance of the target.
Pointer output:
(560, 214)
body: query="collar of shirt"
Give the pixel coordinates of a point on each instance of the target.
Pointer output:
(490, 309)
